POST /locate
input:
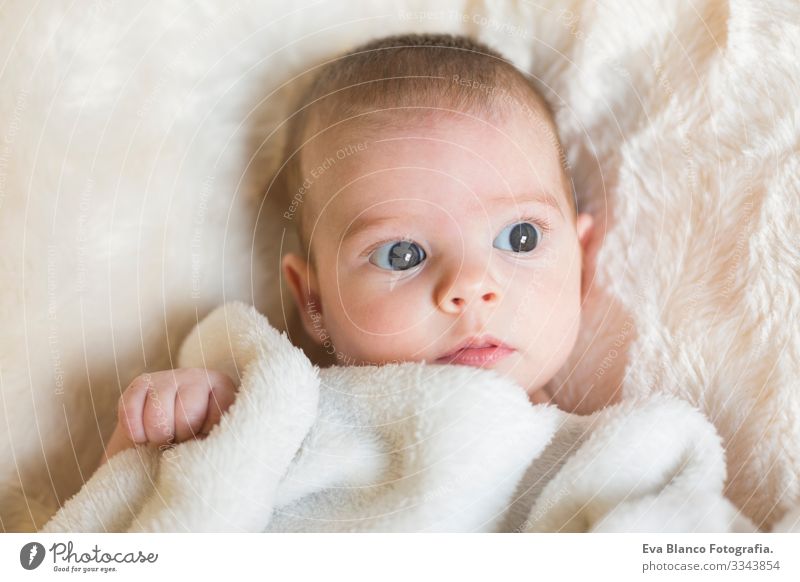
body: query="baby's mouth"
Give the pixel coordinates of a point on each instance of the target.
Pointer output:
(477, 352)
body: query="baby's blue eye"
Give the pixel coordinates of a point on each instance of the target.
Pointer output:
(521, 237)
(399, 255)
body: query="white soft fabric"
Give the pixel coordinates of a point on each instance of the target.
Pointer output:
(137, 141)
(408, 447)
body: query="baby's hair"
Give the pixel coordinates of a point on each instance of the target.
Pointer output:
(389, 81)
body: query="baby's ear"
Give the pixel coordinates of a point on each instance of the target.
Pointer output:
(585, 228)
(303, 285)
(587, 239)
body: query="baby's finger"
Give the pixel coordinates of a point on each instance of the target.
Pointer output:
(220, 398)
(130, 409)
(191, 405)
(159, 415)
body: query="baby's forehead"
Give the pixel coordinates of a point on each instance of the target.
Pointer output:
(385, 158)
(490, 138)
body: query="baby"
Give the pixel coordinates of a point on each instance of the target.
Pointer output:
(436, 223)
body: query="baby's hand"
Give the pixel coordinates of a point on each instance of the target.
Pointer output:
(169, 407)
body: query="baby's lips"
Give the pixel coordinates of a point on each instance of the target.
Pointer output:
(483, 341)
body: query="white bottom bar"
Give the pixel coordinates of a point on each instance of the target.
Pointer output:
(404, 557)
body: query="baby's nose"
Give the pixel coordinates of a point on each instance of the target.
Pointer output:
(470, 287)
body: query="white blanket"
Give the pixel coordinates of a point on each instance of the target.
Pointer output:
(404, 447)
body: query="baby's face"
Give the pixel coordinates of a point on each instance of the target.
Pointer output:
(445, 230)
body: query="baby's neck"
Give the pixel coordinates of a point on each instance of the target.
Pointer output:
(540, 396)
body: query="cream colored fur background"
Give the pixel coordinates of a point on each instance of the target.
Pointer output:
(137, 141)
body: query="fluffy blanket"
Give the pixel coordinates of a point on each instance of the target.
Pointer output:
(404, 447)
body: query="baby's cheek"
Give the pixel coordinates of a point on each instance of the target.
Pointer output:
(375, 307)
(545, 299)
(374, 324)
(389, 314)
(373, 343)
(562, 311)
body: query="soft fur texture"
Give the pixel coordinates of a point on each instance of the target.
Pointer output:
(137, 141)
(405, 447)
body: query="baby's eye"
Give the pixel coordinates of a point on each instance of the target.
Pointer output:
(521, 237)
(397, 255)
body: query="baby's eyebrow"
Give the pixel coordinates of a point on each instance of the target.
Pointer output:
(363, 223)
(528, 198)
